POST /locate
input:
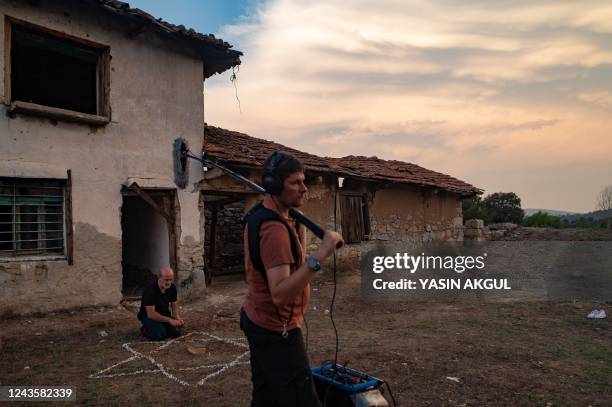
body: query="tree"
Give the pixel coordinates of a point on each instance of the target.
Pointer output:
(604, 202)
(503, 207)
(541, 219)
(472, 208)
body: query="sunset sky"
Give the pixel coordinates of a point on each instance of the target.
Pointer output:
(507, 95)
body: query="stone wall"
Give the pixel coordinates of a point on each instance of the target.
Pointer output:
(229, 252)
(399, 213)
(476, 230)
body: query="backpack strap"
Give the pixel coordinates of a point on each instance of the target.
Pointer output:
(256, 216)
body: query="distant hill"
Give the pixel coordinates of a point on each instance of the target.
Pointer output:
(595, 215)
(529, 212)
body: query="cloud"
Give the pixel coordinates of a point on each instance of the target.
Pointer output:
(599, 99)
(454, 87)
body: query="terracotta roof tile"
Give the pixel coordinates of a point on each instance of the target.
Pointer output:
(239, 149)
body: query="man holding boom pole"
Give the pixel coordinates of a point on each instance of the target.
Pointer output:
(278, 279)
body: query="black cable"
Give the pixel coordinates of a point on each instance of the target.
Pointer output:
(331, 315)
(331, 309)
(391, 394)
(331, 306)
(305, 322)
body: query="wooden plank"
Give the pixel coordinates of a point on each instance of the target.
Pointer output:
(104, 86)
(209, 189)
(357, 209)
(168, 208)
(344, 218)
(68, 221)
(55, 33)
(226, 201)
(366, 218)
(57, 113)
(157, 193)
(213, 237)
(352, 218)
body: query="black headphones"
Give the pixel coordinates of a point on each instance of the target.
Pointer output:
(270, 180)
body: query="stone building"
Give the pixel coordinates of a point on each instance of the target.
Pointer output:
(94, 93)
(367, 199)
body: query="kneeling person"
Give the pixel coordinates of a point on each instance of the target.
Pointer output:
(158, 322)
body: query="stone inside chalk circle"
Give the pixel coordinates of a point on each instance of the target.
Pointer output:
(196, 348)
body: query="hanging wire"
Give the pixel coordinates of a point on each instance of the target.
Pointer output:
(234, 79)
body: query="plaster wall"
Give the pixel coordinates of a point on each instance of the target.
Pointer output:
(411, 213)
(147, 240)
(155, 96)
(401, 213)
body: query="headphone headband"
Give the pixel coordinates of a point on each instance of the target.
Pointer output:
(270, 179)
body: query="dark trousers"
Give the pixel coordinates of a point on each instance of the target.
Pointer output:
(280, 371)
(158, 331)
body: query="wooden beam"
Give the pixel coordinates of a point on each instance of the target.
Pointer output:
(104, 109)
(55, 33)
(209, 189)
(223, 202)
(168, 207)
(213, 237)
(147, 198)
(213, 173)
(57, 113)
(68, 221)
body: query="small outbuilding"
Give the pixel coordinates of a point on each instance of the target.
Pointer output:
(367, 199)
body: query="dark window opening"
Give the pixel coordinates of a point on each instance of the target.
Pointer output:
(223, 235)
(55, 72)
(32, 217)
(355, 218)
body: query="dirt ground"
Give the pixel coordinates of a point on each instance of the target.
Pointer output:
(495, 354)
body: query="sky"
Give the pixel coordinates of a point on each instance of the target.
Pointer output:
(506, 95)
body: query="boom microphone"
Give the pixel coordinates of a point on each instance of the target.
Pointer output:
(179, 161)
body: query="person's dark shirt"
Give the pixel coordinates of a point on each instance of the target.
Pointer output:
(153, 296)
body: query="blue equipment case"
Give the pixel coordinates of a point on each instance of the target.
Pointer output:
(340, 386)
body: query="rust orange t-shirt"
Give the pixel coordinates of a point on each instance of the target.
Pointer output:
(275, 249)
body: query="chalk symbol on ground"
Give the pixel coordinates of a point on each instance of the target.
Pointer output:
(160, 368)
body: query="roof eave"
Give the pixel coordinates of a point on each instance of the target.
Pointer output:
(255, 166)
(216, 54)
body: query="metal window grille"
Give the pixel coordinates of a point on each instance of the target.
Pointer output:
(32, 217)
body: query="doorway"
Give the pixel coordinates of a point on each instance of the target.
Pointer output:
(148, 236)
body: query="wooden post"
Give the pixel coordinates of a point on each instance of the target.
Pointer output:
(68, 221)
(213, 236)
(168, 208)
